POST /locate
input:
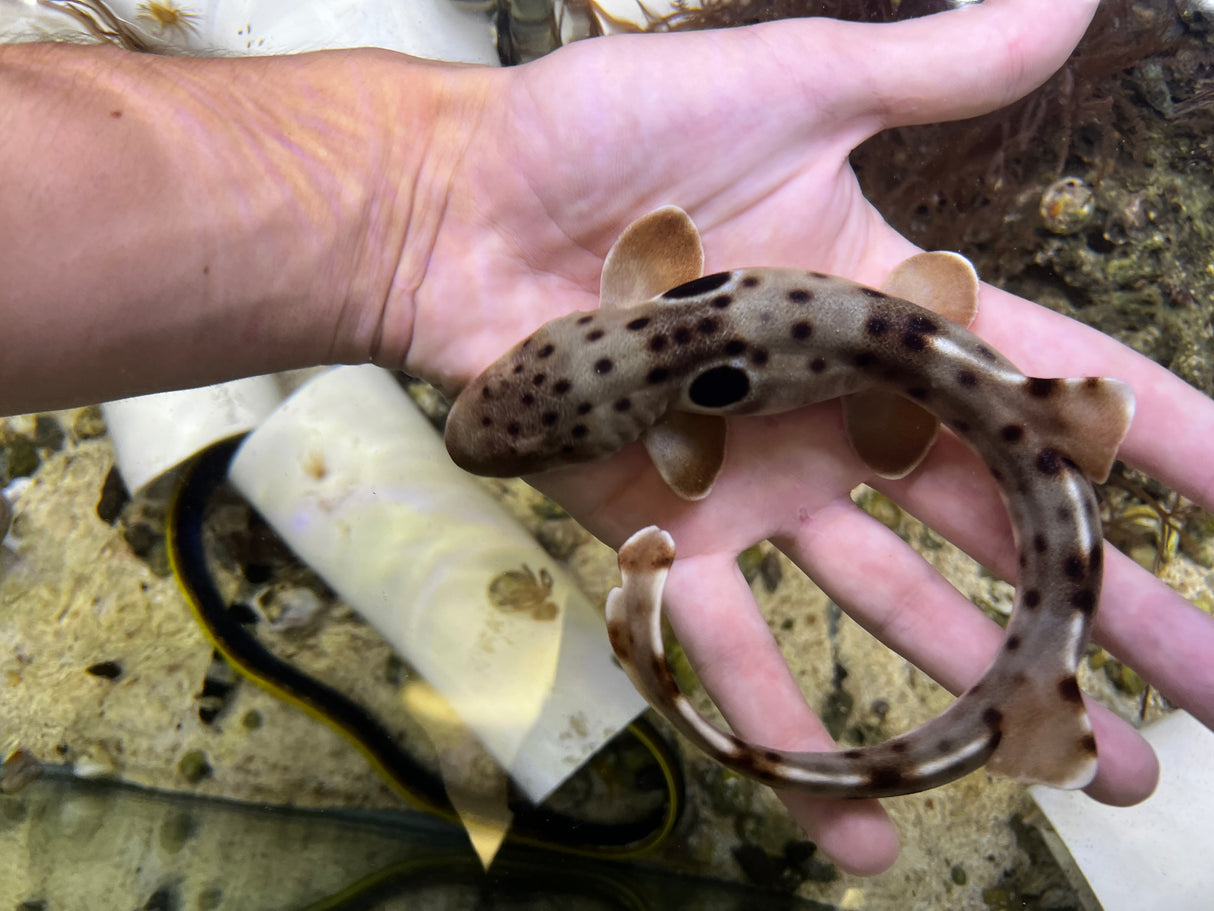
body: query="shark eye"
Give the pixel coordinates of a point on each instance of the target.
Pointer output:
(719, 387)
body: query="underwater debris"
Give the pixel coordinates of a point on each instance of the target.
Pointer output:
(165, 16)
(1067, 206)
(1148, 522)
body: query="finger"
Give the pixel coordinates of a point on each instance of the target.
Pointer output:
(963, 62)
(1140, 620)
(715, 618)
(887, 587)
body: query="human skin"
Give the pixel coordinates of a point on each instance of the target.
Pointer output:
(176, 222)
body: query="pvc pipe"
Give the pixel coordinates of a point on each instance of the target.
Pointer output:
(358, 483)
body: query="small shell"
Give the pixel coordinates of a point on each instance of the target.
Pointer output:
(1067, 206)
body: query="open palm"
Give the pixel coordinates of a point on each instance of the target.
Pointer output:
(749, 130)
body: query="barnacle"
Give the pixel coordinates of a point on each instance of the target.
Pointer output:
(521, 590)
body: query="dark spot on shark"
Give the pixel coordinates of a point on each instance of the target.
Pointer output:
(722, 301)
(758, 356)
(921, 325)
(996, 474)
(1074, 567)
(1012, 433)
(708, 326)
(518, 368)
(1068, 689)
(1049, 462)
(513, 429)
(914, 341)
(719, 387)
(578, 431)
(986, 353)
(560, 387)
(876, 326)
(528, 399)
(584, 408)
(486, 421)
(1041, 388)
(698, 286)
(594, 335)
(818, 364)
(1087, 743)
(750, 281)
(486, 393)
(1032, 599)
(886, 778)
(657, 343)
(800, 296)
(682, 335)
(538, 379)
(801, 330)
(943, 747)
(638, 324)
(992, 718)
(622, 404)
(657, 375)
(549, 418)
(1096, 558)
(853, 754)
(583, 320)
(546, 351)
(865, 359)
(603, 365)
(1084, 601)
(1013, 643)
(734, 347)
(1040, 544)
(898, 746)
(967, 378)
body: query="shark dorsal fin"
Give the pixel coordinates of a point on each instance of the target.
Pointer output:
(657, 252)
(892, 434)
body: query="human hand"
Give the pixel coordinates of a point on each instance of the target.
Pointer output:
(750, 131)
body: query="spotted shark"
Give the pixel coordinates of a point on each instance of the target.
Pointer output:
(671, 351)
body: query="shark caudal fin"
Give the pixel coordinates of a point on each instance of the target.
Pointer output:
(889, 433)
(657, 252)
(1093, 415)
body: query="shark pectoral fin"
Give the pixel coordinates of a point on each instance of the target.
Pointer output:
(1095, 417)
(688, 451)
(939, 281)
(1046, 737)
(657, 252)
(890, 434)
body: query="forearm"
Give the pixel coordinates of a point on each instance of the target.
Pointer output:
(171, 222)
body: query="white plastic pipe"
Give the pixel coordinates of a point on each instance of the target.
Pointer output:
(152, 433)
(358, 483)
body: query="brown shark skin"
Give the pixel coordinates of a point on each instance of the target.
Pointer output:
(755, 341)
